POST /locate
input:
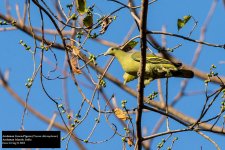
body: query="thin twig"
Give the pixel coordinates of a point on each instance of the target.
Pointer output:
(52, 122)
(187, 38)
(210, 140)
(167, 119)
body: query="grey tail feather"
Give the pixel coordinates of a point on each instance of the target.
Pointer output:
(183, 73)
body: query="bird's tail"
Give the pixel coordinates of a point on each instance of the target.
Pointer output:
(183, 73)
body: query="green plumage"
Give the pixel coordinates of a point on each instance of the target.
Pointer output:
(156, 67)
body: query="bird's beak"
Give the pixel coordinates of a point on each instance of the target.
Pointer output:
(109, 51)
(105, 53)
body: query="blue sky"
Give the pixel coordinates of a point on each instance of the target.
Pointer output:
(18, 61)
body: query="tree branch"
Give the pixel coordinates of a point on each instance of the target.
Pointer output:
(140, 97)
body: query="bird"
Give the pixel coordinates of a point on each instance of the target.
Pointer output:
(156, 67)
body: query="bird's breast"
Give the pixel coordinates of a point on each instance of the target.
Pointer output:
(130, 66)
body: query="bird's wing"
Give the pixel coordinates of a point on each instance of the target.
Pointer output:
(129, 45)
(150, 58)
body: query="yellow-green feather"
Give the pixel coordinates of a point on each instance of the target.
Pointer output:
(128, 77)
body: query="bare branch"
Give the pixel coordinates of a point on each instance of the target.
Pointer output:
(140, 96)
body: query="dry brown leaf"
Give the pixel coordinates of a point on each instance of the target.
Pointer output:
(76, 51)
(130, 141)
(73, 62)
(121, 114)
(106, 21)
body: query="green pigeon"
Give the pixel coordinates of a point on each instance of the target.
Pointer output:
(156, 67)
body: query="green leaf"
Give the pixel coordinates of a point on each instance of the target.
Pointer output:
(186, 18)
(129, 46)
(88, 21)
(81, 6)
(182, 22)
(73, 17)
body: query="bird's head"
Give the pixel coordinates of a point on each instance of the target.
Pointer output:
(111, 51)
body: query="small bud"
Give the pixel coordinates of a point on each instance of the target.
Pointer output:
(68, 117)
(169, 148)
(97, 120)
(176, 138)
(28, 48)
(60, 105)
(85, 141)
(73, 17)
(77, 121)
(69, 5)
(123, 139)
(213, 66)
(78, 116)
(123, 105)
